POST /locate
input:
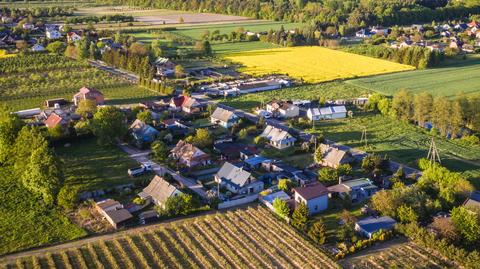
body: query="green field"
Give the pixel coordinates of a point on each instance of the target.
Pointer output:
(92, 167)
(229, 48)
(402, 142)
(26, 222)
(329, 90)
(196, 32)
(447, 81)
(33, 79)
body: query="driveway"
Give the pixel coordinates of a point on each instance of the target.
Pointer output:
(142, 156)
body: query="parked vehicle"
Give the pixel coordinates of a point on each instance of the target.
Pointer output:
(137, 171)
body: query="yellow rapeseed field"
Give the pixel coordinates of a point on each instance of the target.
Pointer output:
(3, 54)
(313, 64)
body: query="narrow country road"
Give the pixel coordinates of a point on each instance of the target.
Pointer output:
(115, 71)
(141, 156)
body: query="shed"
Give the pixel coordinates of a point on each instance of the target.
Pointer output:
(368, 226)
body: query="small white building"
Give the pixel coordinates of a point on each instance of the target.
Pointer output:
(330, 112)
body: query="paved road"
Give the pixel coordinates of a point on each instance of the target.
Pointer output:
(141, 156)
(124, 74)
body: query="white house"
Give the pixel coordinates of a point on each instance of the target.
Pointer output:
(329, 112)
(53, 34)
(158, 191)
(224, 118)
(278, 138)
(37, 48)
(314, 196)
(283, 109)
(237, 180)
(73, 37)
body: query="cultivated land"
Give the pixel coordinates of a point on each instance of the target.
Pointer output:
(447, 81)
(245, 238)
(404, 255)
(327, 91)
(91, 167)
(58, 77)
(313, 64)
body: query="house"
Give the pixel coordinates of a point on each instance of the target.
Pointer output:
(364, 33)
(142, 132)
(232, 151)
(269, 198)
(356, 190)
(237, 180)
(368, 226)
(314, 196)
(37, 48)
(191, 105)
(158, 191)
(88, 94)
(73, 37)
(278, 138)
(55, 120)
(189, 155)
(258, 86)
(283, 109)
(330, 112)
(256, 162)
(177, 101)
(53, 34)
(173, 123)
(333, 156)
(55, 102)
(165, 67)
(28, 26)
(224, 118)
(114, 212)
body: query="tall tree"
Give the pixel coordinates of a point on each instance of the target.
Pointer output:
(318, 233)
(10, 125)
(467, 222)
(281, 207)
(108, 125)
(300, 217)
(423, 105)
(441, 114)
(456, 118)
(402, 105)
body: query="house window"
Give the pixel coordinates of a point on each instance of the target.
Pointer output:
(316, 208)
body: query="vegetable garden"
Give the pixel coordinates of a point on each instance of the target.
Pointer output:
(245, 238)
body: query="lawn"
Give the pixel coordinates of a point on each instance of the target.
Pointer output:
(26, 222)
(92, 167)
(401, 141)
(196, 32)
(236, 47)
(27, 81)
(328, 91)
(313, 64)
(447, 81)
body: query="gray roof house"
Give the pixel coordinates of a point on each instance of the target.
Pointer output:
(158, 191)
(357, 189)
(237, 180)
(113, 212)
(278, 138)
(224, 118)
(333, 157)
(368, 226)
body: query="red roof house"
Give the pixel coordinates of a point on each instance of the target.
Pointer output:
(55, 120)
(88, 94)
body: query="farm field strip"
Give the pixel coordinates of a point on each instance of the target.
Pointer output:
(244, 238)
(313, 64)
(448, 81)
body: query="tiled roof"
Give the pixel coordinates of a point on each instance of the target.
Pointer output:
(159, 189)
(312, 191)
(222, 114)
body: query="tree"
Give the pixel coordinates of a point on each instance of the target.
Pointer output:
(441, 114)
(86, 108)
(160, 151)
(177, 205)
(285, 184)
(457, 118)
(42, 174)
(318, 233)
(10, 125)
(138, 49)
(243, 133)
(71, 51)
(406, 214)
(68, 197)
(83, 49)
(422, 108)
(93, 51)
(260, 140)
(179, 71)
(300, 217)
(145, 116)
(467, 223)
(318, 155)
(56, 47)
(202, 138)
(402, 105)
(108, 125)
(281, 207)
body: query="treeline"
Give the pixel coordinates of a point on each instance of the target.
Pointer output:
(96, 19)
(297, 37)
(325, 12)
(234, 36)
(449, 117)
(415, 56)
(131, 61)
(160, 87)
(37, 62)
(36, 12)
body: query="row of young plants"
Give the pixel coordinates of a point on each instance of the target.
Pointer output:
(36, 63)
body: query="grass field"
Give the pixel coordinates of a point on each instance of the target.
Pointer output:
(402, 255)
(244, 238)
(196, 32)
(313, 64)
(30, 83)
(236, 47)
(447, 81)
(401, 141)
(327, 90)
(26, 222)
(92, 167)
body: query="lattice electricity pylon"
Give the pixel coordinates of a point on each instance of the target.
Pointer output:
(433, 155)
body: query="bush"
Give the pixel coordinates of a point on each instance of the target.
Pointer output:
(68, 197)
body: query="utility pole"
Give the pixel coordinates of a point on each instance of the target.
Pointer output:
(433, 155)
(364, 136)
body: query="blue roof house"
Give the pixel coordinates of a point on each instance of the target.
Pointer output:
(142, 132)
(368, 226)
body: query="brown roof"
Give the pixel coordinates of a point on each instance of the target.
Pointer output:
(159, 189)
(186, 150)
(222, 114)
(107, 203)
(312, 191)
(118, 216)
(332, 154)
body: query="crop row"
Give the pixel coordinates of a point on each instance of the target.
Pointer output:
(246, 238)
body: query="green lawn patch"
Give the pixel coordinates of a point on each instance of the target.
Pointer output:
(93, 167)
(26, 222)
(236, 47)
(447, 81)
(328, 90)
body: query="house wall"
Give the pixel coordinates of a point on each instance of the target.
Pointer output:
(315, 205)
(237, 202)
